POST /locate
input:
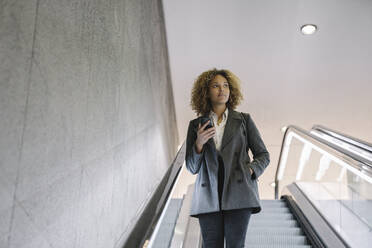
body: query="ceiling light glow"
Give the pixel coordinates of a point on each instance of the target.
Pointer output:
(308, 29)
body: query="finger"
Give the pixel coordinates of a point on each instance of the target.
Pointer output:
(199, 128)
(209, 130)
(205, 134)
(208, 136)
(213, 133)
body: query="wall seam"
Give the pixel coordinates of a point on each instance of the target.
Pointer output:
(24, 125)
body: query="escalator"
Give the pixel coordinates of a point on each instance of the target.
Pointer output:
(329, 174)
(322, 198)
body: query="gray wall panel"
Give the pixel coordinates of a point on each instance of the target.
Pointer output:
(97, 131)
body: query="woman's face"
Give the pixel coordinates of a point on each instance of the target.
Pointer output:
(219, 90)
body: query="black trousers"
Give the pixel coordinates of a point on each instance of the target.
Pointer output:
(225, 224)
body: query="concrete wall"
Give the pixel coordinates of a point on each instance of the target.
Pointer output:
(87, 119)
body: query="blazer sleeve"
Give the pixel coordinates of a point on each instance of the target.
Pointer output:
(193, 159)
(261, 157)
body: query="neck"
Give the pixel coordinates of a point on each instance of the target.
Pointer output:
(219, 109)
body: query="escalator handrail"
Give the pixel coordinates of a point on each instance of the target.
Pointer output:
(344, 137)
(148, 219)
(342, 154)
(356, 148)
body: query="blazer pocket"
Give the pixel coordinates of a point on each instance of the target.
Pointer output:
(251, 174)
(248, 170)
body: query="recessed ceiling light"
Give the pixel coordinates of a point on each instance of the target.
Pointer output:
(308, 29)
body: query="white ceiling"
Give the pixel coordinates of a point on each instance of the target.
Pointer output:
(287, 78)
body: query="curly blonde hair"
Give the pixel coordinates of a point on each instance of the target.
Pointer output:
(200, 102)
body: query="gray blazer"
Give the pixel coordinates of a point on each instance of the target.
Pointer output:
(240, 186)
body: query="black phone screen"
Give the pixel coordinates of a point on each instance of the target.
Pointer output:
(203, 120)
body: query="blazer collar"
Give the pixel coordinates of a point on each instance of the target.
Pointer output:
(234, 121)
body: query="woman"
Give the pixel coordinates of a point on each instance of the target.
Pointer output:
(225, 193)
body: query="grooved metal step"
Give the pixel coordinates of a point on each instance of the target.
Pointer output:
(273, 223)
(276, 239)
(274, 230)
(273, 203)
(279, 246)
(275, 210)
(275, 216)
(275, 227)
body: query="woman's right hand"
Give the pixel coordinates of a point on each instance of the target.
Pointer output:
(204, 135)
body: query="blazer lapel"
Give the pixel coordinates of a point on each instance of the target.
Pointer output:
(233, 122)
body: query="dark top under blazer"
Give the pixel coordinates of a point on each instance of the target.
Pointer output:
(240, 186)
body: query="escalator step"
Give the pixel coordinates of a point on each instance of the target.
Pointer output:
(275, 227)
(268, 200)
(273, 223)
(275, 240)
(275, 210)
(269, 203)
(273, 216)
(279, 246)
(274, 230)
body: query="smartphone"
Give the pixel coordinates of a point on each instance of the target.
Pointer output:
(203, 120)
